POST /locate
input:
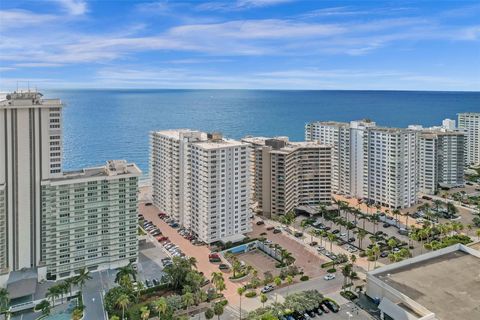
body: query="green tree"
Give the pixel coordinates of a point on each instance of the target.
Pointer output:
(123, 302)
(209, 314)
(289, 281)
(144, 313)
(188, 300)
(44, 307)
(82, 277)
(263, 299)
(53, 292)
(277, 282)
(4, 300)
(240, 292)
(218, 310)
(161, 307)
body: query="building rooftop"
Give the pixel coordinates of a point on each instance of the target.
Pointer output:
(24, 98)
(219, 144)
(333, 123)
(112, 168)
(447, 284)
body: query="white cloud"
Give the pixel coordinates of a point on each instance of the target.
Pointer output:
(16, 19)
(239, 4)
(73, 7)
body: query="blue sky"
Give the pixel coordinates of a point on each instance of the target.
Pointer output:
(275, 44)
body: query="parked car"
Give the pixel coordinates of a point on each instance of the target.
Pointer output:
(386, 225)
(384, 254)
(329, 276)
(148, 204)
(298, 234)
(336, 231)
(214, 257)
(223, 267)
(259, 223)
(313, 243)
(330, 305)
(267, 289)
(277, 230)
(270, 228)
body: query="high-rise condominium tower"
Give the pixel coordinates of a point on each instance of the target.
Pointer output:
(346, 140)
(54, 223)
(203, 181)
(30, 152)
(469, 122)
(290, 174)
(390, 167)
(441, 157)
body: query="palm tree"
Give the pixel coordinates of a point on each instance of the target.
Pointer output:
(437, 203)
(289, 281)
(263, 299)
(218, 281)
(126, 271)
(161, 307)
(144, 313)
(286, 257)
(53, 292)
(376, 252)
(278, 282)
(70, 282)
(122, 302)
(396, 212)
(82, 277)
(240, 291)
(44, 306)
(218, 310)
(361, 235)
(236, 267)
(63, 289)
(188, 300)
(4, 300)
(478, 234)
(331, 237)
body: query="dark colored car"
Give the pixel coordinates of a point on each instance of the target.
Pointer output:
(298, 234)
(259, 223)
(155, 282)
(313, 244)
(384, 254)
(223, 266)
(330, 305)
(327, 228)
(386, 225)
(352, 239)
(336, 231)
(270, 228)
(148, 204)
(311, 313)
(277, 231)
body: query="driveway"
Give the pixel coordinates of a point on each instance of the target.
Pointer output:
(199, 252)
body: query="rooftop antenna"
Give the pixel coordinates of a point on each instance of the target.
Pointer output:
(28, 85)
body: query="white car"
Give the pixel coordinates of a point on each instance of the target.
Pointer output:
(329, 276)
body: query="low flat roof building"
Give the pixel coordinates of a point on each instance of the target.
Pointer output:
(439, 285)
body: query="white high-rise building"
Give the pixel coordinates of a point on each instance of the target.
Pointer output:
(441, 160)
(90, 219)
(208, 177)
(47, 217)
(290, 174)
(30, 152)
(469, 122)
(390, 167)
(346, 140)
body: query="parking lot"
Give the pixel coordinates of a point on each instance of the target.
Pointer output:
(306, 259)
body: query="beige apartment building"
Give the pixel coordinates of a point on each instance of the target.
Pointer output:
(290, 174)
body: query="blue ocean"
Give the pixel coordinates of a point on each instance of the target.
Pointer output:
(115, 124)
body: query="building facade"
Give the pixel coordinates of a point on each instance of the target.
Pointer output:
(290, 174)
(469, 122)
(44, 212)
(390, 167)
(89, 219)
(346, 140)
(441, 157)
(214, 185)
(30, 149)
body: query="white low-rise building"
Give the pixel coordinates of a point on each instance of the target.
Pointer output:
(439, 285)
